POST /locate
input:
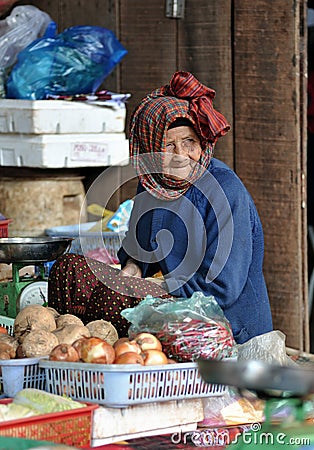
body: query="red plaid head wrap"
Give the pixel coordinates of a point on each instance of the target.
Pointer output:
(184, 97)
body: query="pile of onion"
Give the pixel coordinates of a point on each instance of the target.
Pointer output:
(144, 349)
(92, 350)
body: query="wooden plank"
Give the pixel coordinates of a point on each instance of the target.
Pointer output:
(204, 38)
(186, 431)
(150, 39)
(68, 13)
(268, 146)
(150, 62)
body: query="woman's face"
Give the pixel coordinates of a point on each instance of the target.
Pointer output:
(183, 151)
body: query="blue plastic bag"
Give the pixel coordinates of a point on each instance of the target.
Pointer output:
(119, 222)
(75, 61)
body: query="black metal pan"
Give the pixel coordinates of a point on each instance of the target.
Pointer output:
(32, 249)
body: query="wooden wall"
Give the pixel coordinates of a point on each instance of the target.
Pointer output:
(270, 148)
(254, 55)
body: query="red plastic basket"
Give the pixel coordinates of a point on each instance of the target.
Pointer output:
(4, 228)
(72, 428)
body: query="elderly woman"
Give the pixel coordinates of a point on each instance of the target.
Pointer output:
(193, 220)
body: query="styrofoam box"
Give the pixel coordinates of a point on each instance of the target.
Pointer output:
(59, 116)
(64, 150)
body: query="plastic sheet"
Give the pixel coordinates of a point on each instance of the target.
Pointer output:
(231, 408)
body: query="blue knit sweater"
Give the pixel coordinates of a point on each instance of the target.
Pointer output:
(209, 240)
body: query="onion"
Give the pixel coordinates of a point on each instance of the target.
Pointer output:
(154, 357)
(119, 341)
(64, 352)
(148, 341)
(129, 358)
(95, 350)
(78, 345)
(127, 346)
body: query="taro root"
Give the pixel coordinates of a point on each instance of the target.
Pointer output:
(70, 333)
(68, 319)
(53, 311)
(31, 318)
(39, 343)
(103, 330)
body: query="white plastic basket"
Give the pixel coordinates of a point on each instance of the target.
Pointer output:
(88, 240)
(118, 386)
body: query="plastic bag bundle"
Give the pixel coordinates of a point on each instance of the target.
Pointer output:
(73, 62)
(194, 339)
(187, 328)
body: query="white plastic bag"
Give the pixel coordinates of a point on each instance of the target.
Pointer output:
(269, 347)
(19, 29)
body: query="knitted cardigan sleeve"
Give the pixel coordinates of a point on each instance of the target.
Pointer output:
(224, 270)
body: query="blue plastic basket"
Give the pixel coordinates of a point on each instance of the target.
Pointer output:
(18, 374)
(119, 385)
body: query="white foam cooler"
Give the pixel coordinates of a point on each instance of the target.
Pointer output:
(59, 116)
(64, 150)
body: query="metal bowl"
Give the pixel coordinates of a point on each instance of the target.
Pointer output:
(32, 249)
(264, 378)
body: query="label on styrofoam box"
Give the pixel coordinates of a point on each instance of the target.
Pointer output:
(64, 150)
(88, 151)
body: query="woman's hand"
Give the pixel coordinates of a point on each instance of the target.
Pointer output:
(131, 269)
